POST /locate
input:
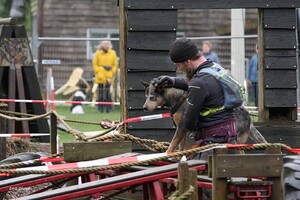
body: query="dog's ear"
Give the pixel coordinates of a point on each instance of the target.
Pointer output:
(145, 84)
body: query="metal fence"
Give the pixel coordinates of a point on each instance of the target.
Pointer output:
(65, 54)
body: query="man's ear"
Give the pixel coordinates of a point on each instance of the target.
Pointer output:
(145, 84)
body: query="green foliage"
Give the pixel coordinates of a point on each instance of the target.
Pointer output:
(5, 9)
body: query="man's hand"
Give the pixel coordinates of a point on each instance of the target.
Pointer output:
(164, 81)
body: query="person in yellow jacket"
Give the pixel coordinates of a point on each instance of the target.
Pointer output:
(105, 64)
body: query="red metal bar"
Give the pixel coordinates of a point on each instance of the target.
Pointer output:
(104, 188)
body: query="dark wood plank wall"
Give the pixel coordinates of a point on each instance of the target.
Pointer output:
(148, 42)
(279, 44)
(279, 64)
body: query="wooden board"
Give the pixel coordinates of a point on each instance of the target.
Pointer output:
(6, 31)
(280, 39)
(283, 62)
(32, 91)
(281, 79)
(150, 40)
(149, 60)
(134, 77)
(144, 20)
(280, 97)
(284, 132)
(207, 4)
(82, 151)
(249, 165)
(280, 18)
(280, 53)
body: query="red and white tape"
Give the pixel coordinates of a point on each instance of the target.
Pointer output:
(57, 102)
(94, 163)
(7, 135)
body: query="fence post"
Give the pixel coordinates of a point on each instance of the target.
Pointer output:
(3, 130)
(53, 133)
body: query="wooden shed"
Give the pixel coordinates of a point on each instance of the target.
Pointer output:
(145, 41)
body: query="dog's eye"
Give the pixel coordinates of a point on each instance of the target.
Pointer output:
(152, 98)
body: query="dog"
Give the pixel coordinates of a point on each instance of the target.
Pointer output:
(174, 99)
(80, 95)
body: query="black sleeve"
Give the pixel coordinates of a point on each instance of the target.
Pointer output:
(180, 83)
(196, 98)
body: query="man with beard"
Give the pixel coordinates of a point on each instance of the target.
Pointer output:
(205, 115)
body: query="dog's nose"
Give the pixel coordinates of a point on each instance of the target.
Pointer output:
(145, 108)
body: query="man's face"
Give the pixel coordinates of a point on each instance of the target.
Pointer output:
(186, 68)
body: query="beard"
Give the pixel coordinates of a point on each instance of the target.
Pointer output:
(189, 73)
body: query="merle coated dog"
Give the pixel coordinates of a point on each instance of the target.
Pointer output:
(175, 100)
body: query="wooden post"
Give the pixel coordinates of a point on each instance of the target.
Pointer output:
(219, 188)
(277, 190)
(183, 177)
(193, 182)
(53, 133)
(2, 130)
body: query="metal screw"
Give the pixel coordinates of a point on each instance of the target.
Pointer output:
(130, 88)
(128, 6)
(266, 25)
(267, 85)
(172, 6)
(130, 29)
(267, 66)
(224, 170)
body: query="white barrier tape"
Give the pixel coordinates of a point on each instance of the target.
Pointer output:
(7, 135)
(58, 102)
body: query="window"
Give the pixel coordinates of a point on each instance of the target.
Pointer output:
(100, 34)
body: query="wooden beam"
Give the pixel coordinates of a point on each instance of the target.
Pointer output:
(123, 69)
(208, 4)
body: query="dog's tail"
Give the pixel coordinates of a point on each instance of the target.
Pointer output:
(256, 136)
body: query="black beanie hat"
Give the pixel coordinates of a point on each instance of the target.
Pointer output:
(183, 49)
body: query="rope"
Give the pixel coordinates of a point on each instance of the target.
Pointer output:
(26, 163)
(185, 195)
(124, 165)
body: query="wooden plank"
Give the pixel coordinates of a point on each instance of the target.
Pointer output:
(149, 60)
(165, 123)
(6, 31)
(280, 53)
(21, 95)
(280, 39)
(123, 60)
(280, 133)
(207, 4)
(150, 40)
(134, 78)
(81, 151)
(280, 98)
(32, 91)
(248, 165)
(288, 79)
(20, 31)
(12, 95)
(280, 62)
(144, 20)
(136, 99)
(280, 18)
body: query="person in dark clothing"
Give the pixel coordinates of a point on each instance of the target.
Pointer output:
(205, 95)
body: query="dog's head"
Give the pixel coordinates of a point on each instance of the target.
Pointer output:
(154, 97)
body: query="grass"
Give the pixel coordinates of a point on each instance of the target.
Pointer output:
(91, 115)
